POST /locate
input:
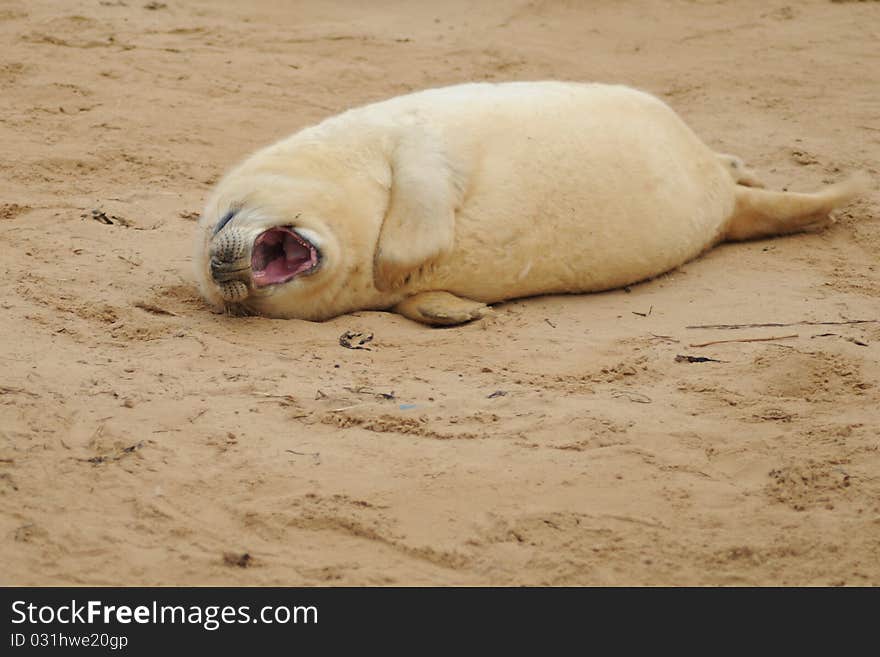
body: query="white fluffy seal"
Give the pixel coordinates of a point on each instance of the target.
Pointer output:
(437, 203)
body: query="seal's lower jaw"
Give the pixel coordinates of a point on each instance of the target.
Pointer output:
(281, 254)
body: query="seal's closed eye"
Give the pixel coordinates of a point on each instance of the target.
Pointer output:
(225, 220)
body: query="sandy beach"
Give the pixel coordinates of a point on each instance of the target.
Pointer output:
(570, 440)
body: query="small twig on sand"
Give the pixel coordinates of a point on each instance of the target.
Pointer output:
(775, 325)
(632, 396)
(770, 339)
(155, 310)
(316, 456)
(828, 335)
(7, 390)
(287, 398)
(668, 338)
(682, 358)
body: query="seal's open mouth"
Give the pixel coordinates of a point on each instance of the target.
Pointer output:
(280, 254)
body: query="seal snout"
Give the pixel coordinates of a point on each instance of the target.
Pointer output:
(242, 263)
(230, 263)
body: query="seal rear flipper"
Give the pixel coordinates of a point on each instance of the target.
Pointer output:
(741, 174)
(441, 309)
(419, 225)
(761, 213)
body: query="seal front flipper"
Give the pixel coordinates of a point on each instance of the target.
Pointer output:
(419, 225)
(441, 309)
